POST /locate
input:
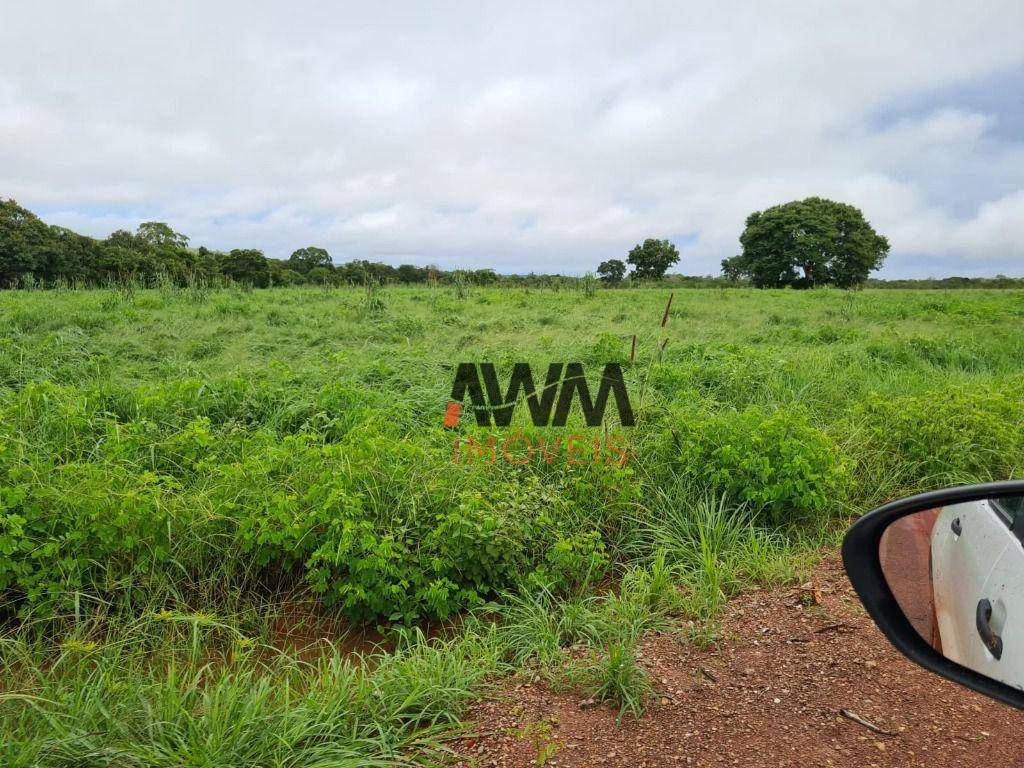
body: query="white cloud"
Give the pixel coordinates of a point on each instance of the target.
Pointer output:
(544, 137)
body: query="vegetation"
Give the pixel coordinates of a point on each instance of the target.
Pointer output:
(611, 272)
(806, 243)
(651, 259)
(203, 489)
(35, 254)
(784, 241)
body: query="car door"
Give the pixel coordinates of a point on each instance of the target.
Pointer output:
(968, 540)
(1000, 611)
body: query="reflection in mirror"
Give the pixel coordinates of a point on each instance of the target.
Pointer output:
(958, 575)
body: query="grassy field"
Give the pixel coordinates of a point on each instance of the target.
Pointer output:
(200, 491)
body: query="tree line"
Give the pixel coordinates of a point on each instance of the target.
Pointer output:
(801, 244)
(33, 252)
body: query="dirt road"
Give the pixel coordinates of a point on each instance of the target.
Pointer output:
(772, 693)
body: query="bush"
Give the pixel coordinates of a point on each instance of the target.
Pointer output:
(379, 530)
(776, 462)
(959, 434)
(78, 527)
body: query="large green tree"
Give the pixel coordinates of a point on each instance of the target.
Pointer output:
(159, 235)
(305, 259)
(652, 259)
(806, 243)
(246, 265)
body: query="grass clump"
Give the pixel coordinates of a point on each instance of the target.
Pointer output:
(615, 675)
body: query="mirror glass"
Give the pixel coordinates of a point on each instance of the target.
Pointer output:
(958, 574)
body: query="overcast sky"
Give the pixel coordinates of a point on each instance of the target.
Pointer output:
(523, 137)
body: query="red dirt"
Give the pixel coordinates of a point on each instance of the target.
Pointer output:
(771, 693)
(905, 552)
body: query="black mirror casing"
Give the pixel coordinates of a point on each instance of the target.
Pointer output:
(864, 568)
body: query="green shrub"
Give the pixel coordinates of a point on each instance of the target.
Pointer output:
(79, 527)
(609, 348)
(776, 462)
(957, 434)
(572, 562)
(363, 524)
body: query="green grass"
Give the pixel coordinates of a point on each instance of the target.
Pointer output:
(178, 468)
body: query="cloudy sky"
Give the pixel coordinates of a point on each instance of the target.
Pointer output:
(545, 137)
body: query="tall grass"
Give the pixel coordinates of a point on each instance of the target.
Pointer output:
(178, 465)
(119, 701)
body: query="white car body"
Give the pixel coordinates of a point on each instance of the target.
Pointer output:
(985, 561)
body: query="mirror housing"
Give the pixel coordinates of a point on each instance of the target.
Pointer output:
(862, 561)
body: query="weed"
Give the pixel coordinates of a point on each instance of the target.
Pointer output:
(615, 676)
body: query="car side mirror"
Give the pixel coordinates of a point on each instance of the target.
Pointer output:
(942, 575)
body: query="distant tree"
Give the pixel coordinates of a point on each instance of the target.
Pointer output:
(408, 273)
(652, 259)
(806, 243)
(70, 256)
(483, 277)
(321, 276)
(207, 263)
(153, 250)
(611, 271)
(732, 268)
(290, 277)
(382, 273)
(22, 237)
(246, 265)
(305, 259)
(159, 235)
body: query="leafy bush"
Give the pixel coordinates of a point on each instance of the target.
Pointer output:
(79, 527)
(574, 561)
(362, 524)
(957, 434)
(776, 462)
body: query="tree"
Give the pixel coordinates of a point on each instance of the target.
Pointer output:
(408, 273)
(611, 271)
(321, 276)
(246, 265)
(22, 236)
(732, 268)
(70, 256)
(653, 258)
(159, 235)
(484, 277)
(306, 258)
(806, 243)
(290, 277)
